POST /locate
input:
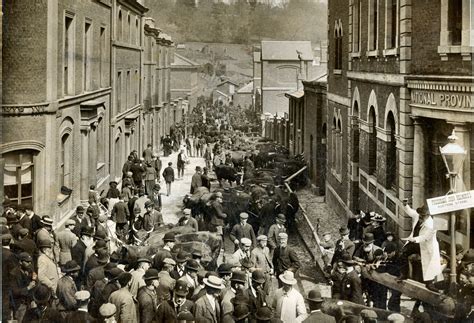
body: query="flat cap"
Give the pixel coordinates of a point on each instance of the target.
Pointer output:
(282, 235)
(169, 261)
(244, 215)
(107, 310)
(262, 237)
(82, 295)
(187, 211)
(246, 242)
(25, 256)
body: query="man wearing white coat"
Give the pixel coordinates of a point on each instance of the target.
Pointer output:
(424, 235)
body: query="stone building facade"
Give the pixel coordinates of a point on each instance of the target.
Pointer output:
(184, 79)
(397, 87)
(72, 105)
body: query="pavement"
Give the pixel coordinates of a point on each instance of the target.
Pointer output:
(173, 204)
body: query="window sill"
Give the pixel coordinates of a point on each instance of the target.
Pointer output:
(372, 53)
(337, 72)
(99, 166)
(61, 198)
(355, 55)
(465, 51)
(337, 176)
(391, 52)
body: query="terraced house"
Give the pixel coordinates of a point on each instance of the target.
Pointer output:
(73, 96)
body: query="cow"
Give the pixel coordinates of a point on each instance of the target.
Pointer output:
(228, 173)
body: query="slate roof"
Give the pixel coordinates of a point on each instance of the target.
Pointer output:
(183, 61)
(248, 88)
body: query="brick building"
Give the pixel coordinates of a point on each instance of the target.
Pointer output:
(72, 104)
(397, 87)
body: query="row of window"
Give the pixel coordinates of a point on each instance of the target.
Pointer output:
(125, 32)
(70, 55)
(127, 89)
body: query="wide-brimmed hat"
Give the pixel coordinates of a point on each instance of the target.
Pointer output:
(240, 312)
(379, 218)
(239, 276)
(288, 277)
(192, 265)
(46, 220)
(150, 274)
(343, 231)
(314, 295)
(182, 256)
(42, 294)
(181, 288)
(214, 282)
(368, 238)
(71, 266)
(264, 313)
(169, 236)
(258, 276)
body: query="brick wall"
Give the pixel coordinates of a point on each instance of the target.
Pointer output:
(24, 51)
(338, 10)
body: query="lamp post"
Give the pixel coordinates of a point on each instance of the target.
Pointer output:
(453, 156)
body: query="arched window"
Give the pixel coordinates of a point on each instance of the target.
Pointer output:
(129, 29)
(137, 32)
(391, 153)
(372, 141)
(339, 147)
(120, 26)
(355, 134)
(338, 45)
(101, 142)
(334, 144)
(18, 176)
(66, 159)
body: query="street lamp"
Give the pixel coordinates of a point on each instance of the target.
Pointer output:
(453, 156)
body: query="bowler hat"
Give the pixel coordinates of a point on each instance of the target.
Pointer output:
(23, 232)
(198, 168)
(87, 231)
(258, 276)
(114, 273)
(379, 218)
(264, 313)
(12, 217)
(100, 244)
(368, 238)
(107, 310)
(240, 299)
(247, 263)
(214, 282)
(149, 203)
(343, 231)
(314, 295)
(103, 257)
(150, 274)
(192, 265)
(44, 244)
(169, 236)
(185, 315)
(80, 208)
(71, 266)
(182, 257)
(224, 269)
(239, 276)
(241, 312)
(288, 277)
(347, 259)
(156, 187)
(42, 294)
(101, 236)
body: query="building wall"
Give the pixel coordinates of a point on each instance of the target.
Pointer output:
(243, 99)
(184, 84)
(74, 136)
(278, 77)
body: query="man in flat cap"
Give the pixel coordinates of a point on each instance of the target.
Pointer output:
(124, 300)
(284, 257)
(47, 267)
(22, 283)
(107, 312)
(137, 275)
(274, 230)
(188, 220)
(81, 314)
(67, 288)
(244, 250)
(196, 180)
(66, 240)
(25, 243)
(152, 216)
(242, 230)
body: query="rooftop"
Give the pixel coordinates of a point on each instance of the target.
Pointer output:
(286, 50)
(248, 88)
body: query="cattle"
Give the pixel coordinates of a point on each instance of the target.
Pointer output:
(228, 173)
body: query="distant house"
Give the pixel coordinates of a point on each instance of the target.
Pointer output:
(284, 65)
(184, 79)
(224, 92)
(244, 96)
(257, 78)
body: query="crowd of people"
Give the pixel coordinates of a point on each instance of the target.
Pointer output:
(71, 273)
